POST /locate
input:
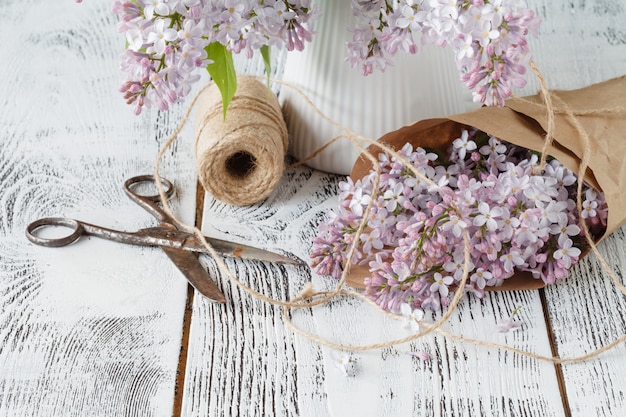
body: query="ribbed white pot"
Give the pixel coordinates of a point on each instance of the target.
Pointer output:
(416, 87)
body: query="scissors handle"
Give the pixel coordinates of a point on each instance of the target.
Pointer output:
(165, 236)
(149, 201)
(76, 231)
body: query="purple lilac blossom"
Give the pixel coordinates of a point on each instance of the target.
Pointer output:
(166, 40)
(488, 38)
(413, 243)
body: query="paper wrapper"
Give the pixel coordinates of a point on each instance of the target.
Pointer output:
(598, 108)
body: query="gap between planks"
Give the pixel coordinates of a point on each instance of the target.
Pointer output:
(181, 369)
(558, 368)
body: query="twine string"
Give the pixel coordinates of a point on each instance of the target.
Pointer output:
(549, 107)
(309, 298)
(240, 158)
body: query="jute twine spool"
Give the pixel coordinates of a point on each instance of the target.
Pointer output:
(240, 158)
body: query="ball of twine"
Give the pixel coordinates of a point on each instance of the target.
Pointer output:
(240, 158)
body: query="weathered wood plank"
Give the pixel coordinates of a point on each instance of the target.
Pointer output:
(587, 312)
(94, 328)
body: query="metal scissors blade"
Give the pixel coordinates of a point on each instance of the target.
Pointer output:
(197, 276)
(237, 250)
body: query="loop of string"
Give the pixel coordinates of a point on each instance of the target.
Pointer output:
(309, 298)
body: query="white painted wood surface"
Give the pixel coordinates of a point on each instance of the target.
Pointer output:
(92, 329)
(95, 329)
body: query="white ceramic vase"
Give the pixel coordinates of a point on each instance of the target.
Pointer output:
(416, 87)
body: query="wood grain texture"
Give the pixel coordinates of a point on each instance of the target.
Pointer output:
(588, 313)
(92, 329)
(583, 42)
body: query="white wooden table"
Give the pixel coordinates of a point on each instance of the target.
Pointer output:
(103, 329)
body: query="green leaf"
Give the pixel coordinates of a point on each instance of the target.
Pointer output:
(265, 53)
(222, 71)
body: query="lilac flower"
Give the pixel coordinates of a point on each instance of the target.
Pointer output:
(516, 220)
(160, 35)
(511, 260)
(508, 325)
(487, 216)
(463, 144)
(359, 201)
(421, 355)
(566, 253)
(167, 40)
(480, 278)
(589, 209)
(493, 147)
(508, 225)
(371, 241)
(563, 228)
(394, 196)
(441, 284)
(345, 363)
(455, 225)
(411, 317)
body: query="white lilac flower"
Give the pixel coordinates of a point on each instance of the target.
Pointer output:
(345, 363)
(371, 241)
(589, 209)
(565, 228)
(487, 216)
(359, 201)
(465, 46)
(455, 224)
(508, 225)
(494, 147)
(160, 35)
(508, 325)
(455, 267)
(441, 284)
(411, 318)
(463, 144)
(511, 259)
(480, 278)
(409, 19)
(159, 7)
(134, 39)
(394, 197)
(567, 253)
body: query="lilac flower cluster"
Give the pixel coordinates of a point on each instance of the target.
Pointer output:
(166, 39)
(489, 38)
(413, 242)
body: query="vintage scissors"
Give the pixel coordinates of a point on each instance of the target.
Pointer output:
(177, 244)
